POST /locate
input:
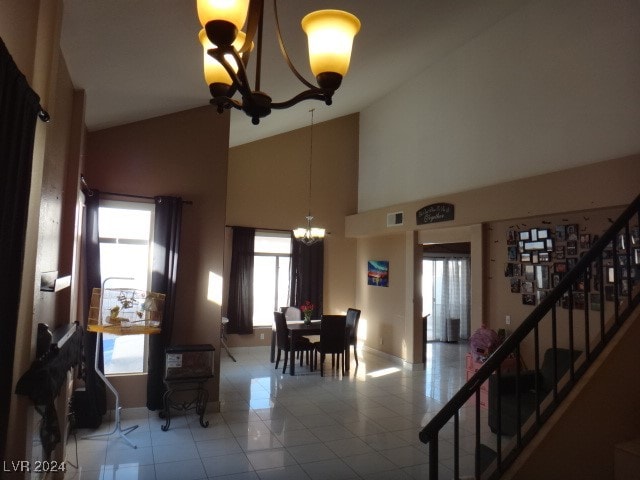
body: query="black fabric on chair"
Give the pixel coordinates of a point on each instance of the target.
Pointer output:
(508, 396)
(353, 318)
(283, 343)
(333, 339)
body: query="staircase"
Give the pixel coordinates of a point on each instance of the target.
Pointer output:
(561, 342)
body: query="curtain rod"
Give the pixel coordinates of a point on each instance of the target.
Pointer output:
(90, 193)
(44, 115)
(261, 228)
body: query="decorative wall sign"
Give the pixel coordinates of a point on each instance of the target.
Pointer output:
(436, 212)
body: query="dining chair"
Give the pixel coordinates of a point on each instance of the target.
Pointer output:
(353, 318)
(283, 342)
(292, 313)
(333, 340)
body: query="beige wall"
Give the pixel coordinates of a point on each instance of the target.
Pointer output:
(31, 33)
(551, 197)
(182, 154)
(268, 188)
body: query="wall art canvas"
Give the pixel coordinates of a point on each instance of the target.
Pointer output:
(378, 273)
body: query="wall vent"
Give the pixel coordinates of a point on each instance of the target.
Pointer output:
(395, 219)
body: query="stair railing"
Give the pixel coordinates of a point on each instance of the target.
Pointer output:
(615, 259)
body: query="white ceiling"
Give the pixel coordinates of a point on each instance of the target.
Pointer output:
(138, 59)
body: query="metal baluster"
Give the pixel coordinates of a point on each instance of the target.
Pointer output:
(433, 457)
(587, 341)
(571, 367)
(498, 375)
(477, 459)
(518, 406)
(456, 445)
(536, 349)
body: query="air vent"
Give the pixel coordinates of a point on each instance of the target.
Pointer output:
(395, 219)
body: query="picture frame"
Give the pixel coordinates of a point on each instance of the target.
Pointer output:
(528, 299)
(559, 252)
(526, 287)
(512, 253)
(535, 257)
(524, 235)
(595, 302)
(544, 257)
(542, 277)
(572, 232)
(578, 300)
(543, 233)
(585, 241)
(378, 273)
(533, 233)
(560, 267)
(508, 269)
(517, 269)
(525, 257)
(555, 279)
(549, 244)
(529, 273)
(561, 233)
(512, 237)
(572, 248)
(515, 285)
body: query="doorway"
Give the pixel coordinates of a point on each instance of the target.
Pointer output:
(446, 292)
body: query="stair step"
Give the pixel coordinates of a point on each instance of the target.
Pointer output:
(627, 460)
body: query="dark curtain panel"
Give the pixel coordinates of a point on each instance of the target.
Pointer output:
(19, 107)
(95, 388)
(240, 305)
(166, 240)
(307, 274)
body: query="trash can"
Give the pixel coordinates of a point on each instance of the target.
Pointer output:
(453, 330)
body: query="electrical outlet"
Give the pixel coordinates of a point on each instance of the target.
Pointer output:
(507, 319)
(262, 336)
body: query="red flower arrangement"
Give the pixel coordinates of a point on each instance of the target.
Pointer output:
(307, 310)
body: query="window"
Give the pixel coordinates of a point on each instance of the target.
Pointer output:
(125, 234)
(271, 271)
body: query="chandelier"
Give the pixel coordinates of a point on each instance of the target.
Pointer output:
(226, 47)
(309, 235)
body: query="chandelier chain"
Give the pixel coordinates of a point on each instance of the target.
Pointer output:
(310, 158)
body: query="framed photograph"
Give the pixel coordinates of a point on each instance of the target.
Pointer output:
(578, 300)
(524, 235)
(572, 248)
(542, 277)
(622, 243)
(535, 257)
(517, 270)
(549, 244)
(608, 293)
(635, 237)
(560, 267)
(544, 256)
(622, 260)
(520, 246)
(543, 233)
(533, 233)
(561, 233)
(595, 302)
(571, 262)
(533, 246)
(572, 233)
(378, 273)
(611, 274)
(515, 285)
(541, 294)
(525, 257)
(508, 269)
(526, 287)
(512, 237)
(528, 299)
(512, 253)
(559, 252)
(529, 273)
(585, 241)
(555, 279)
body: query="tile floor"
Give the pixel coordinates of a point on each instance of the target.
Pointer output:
(274, 426)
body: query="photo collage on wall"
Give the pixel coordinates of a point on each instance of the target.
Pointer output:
(538, 259)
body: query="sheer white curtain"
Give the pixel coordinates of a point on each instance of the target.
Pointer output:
(452, 298)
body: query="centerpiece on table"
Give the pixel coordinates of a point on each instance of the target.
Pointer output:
(307, 311)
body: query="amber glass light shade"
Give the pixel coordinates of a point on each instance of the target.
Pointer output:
(330, 35)
(233, 11)
(214, 72)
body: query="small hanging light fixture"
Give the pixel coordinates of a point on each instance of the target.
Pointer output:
(309, 235)
(226, 47)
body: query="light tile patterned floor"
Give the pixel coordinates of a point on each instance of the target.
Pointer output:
(274, 426)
